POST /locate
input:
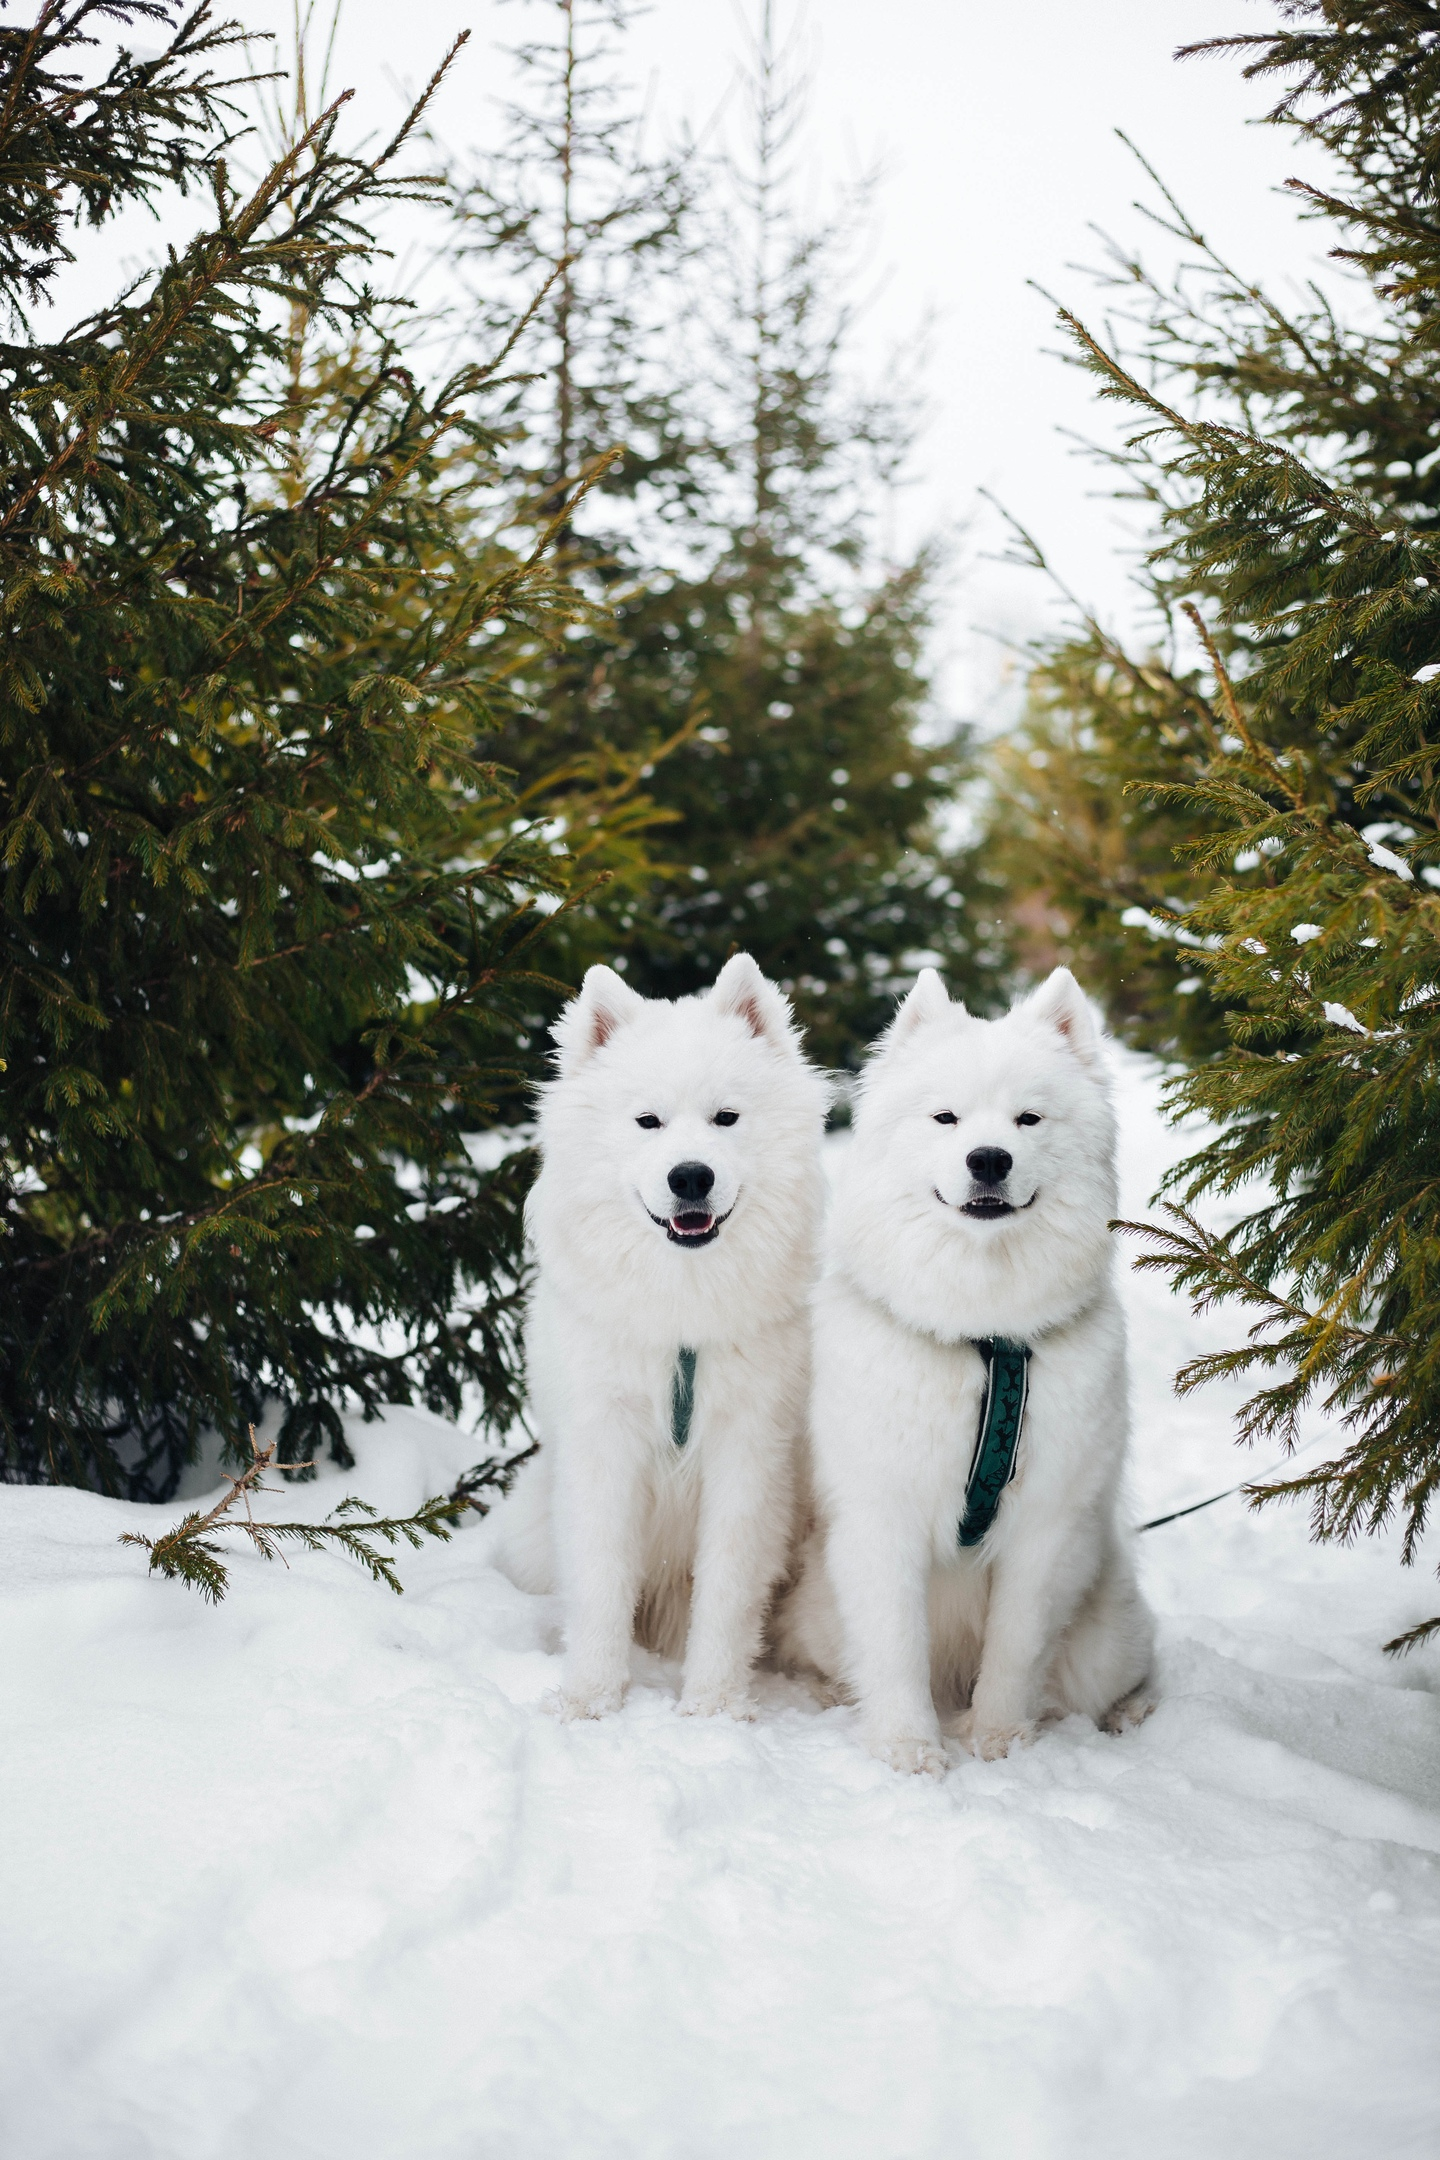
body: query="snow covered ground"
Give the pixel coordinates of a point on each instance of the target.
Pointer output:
(312, 1874)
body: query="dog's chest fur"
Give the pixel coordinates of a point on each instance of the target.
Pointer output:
(905, 1407)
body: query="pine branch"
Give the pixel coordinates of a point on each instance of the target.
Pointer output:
(190, 1553)
(494, 1475)
(1262, 754)
(1413, 1637)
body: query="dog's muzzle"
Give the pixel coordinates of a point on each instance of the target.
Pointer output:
(691, 1226)
(988, 1200)
(987, 1203)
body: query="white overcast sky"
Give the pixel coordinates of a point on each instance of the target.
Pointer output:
(995, 127)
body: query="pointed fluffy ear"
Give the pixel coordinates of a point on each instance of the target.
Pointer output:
(1061, 1004)
(740, 988)
(926, 1002)
(605, 1003)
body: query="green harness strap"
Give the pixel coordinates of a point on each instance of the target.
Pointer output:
(1001, 1416)
(993, 1464)
(682, 1396)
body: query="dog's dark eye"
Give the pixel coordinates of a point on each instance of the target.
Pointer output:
(946, 1117)
(1028, 1117)
(649, 1122)
(726, 1117)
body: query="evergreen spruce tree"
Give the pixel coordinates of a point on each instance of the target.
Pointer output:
(1100, 858)
(1293, 462)
(573, 205)
(573, 215)
(752, 653)
(268, 920)
(811, 803)
(1094, 864)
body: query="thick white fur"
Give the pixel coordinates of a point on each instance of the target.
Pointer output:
(1044, 1617)
(635, 1534)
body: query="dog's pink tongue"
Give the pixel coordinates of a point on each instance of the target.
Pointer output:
(692, 1225)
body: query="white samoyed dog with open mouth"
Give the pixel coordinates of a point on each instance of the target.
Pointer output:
(674, 1225)
(969, 1416)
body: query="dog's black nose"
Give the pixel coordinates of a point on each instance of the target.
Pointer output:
(692, 1180)
(987, 1165)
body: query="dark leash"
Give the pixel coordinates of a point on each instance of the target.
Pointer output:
(1261, 1477)
(1158, 1522)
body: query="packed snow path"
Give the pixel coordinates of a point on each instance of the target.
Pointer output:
(313, 1875)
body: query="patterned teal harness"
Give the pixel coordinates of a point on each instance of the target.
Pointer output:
(1001, 1415)
(682, 1396)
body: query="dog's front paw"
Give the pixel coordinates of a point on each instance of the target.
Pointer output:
(915, 1754)
(570, 1703)
(1132, 1709)
(989, 1741)
(732, 1700)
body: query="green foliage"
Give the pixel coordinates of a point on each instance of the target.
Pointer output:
(1090, 863)
(571, 205)
(141, 127)
(815, 801)
(269, 940)
(1093, 841)
(1297, 506)
(754, 657)
(191, 1554)
(806, 805)
(316, 787)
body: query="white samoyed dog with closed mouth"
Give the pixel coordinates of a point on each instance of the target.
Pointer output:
(674, 1226)
(969, 1301)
